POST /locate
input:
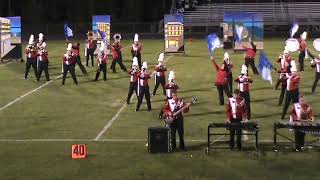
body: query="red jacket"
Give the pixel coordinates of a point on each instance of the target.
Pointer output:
(300, 112)
(143, 78)
(236, 108)
(250, 52)
(222, 75)
(302, 45)
(136, 49)
(243, 83)
(133, 75)
(42, 55)
(160, 70)
(116, 50)
(172, 106)
(75, 51)
(31, 52)
(293, 81)
(68, 59)
(91, 44)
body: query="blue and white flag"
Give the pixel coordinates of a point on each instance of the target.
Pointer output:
(102, 34)
(238, 30)
(213, 42)
(294, 29)
(67, 31)
(265, 67)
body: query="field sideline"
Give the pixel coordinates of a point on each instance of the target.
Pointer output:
(37, 130)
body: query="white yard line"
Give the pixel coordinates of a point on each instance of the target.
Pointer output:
(118, 140)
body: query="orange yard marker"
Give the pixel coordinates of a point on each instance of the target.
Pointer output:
(78, 151)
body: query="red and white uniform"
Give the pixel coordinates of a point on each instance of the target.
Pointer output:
(31, 52)
(302, 45)
(136, 48)
(134, 75)
(75, 51)
(42, 55)
(116, 50)
(102, 58)
(243, 83)
(174, 105)
(284, 60)
(90, 44)
(300, 112)
(250, 53)
(236, 108)
(143, 78)
(68, 59)
(293, 81)
(160, 70)
(222, 75)
(171, 87)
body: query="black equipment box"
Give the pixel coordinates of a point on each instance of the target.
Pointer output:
(158, 140)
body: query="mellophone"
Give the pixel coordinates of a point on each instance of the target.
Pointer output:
(251, 127)
(306, 127)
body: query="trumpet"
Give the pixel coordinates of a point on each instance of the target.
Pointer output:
(117, 37)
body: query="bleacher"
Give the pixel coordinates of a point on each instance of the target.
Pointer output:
(274, 14)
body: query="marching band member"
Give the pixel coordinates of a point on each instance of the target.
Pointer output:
(228, 66)
(77, 58)
(244, 82)
(284, 60)
(31, 53)
(221, 80)
(133, 73)
(102, 63)
(292, 90)
(91, 46)
(42, 58)
(315, 63)
(116, 54)
(236, 113)
(171, 87)
(136, 49)
(143, 90)
(300, 112)
(303, 50)
(68, 65)
(170, 107)
(249, 56)
(160, 75)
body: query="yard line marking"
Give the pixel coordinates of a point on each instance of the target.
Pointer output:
(26, 94)
(110, 122)
(120, 140)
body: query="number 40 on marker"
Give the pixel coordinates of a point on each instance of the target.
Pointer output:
(78, 151)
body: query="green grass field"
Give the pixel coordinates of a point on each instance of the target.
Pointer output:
(38, 130)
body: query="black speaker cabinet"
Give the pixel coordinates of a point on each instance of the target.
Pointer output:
(158, 140)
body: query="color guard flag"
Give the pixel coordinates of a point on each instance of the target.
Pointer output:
(265, 67)
(67, 31)
(213, 42)
(294, 29)
(238, 31)
(102, 34)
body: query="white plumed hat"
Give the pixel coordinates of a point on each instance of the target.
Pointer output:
(161, 57)
(304, 35)
(144, 65)
(136, 38)
(171, 75)
(244, 69)
(102, 46)
(40, 37)
(226, 56)
(69, 48)
(135, 61)
(293, 66)
(31, 39)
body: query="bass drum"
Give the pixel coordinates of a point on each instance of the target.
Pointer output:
(292, 44)
(316, 44)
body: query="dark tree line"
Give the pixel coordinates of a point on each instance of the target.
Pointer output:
(41, 11)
